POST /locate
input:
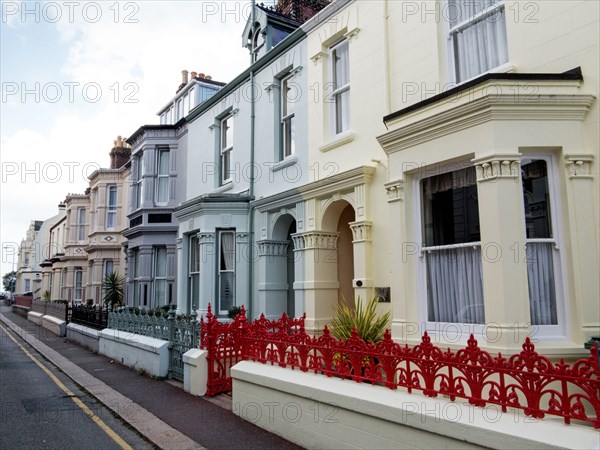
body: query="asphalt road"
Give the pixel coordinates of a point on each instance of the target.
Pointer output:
(43, 409)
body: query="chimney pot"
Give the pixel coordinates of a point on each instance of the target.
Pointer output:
(194, 75)
(184, 76)
(208, 77)
(201, 75)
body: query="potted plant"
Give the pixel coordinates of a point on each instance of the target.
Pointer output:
(369, 325)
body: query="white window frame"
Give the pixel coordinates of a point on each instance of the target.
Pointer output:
(139, 181)
(78, 285)
(135, 269)
(446, 331)
(107, 263)
(27, 285)
(164, 177)
(257, 48)
(338, 91)
(157, 279)
(111, 209)
(220, 272)
(191, 99)
(452, 31)
(560, 330)
(63, 274)
(81, 224)
(193, 266)
(287, 119)
(94, 209)
(226, 149)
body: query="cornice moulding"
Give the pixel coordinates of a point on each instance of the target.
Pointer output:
(483, 110)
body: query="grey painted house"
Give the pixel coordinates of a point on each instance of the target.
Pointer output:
(157, 186)
(247, 151)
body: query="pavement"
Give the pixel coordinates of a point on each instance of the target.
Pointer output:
(161, 411)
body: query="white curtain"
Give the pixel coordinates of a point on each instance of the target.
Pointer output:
(482, 45)
(227, 270)
(540, 273)
(454, 285)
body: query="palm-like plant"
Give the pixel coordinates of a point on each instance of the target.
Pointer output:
(365, 319)
(113, 289)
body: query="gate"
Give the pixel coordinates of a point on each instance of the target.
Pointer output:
(183, 336)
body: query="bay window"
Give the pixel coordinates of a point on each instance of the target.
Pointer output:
(542, 248)
(138, 183)
(162, 184)
(226, 271)
(78, 282)
(111, 208)
(80, 224)
(452, 247)
(194, 271)
(160, 276)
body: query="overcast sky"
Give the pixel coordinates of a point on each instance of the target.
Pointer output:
(75, 75)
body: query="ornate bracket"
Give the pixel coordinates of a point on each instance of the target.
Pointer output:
(579, 166)
(395, 190)
(496, 168)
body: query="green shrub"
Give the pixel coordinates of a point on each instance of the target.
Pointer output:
(368, 323)
(234, 311)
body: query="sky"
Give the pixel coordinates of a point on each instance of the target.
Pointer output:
(77, 74)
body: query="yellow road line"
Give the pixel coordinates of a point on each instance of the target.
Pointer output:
(114, 436)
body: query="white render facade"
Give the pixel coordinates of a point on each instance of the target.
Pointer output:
(243, 204)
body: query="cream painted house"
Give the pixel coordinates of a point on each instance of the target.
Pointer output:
(464, 177)
(109, 194)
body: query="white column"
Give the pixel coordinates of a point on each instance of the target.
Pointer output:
(583, 213)
(502, 223)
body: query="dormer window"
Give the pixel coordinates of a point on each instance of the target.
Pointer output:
(258, 42)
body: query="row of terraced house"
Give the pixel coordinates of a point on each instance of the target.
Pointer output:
(442, 156)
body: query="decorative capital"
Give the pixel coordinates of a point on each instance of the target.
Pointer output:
(361, 231)
(579, 166)
(315, 240)
(179, 243)
(241, 238)
(496, 168)
(395, 190)
(272, 248)
(206, 238)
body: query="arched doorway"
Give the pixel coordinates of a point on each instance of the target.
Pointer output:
(337, 218)
(278, 270)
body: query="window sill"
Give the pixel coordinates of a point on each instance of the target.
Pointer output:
(226, 187)
(339, 140)
(286, 162)
(504, 68)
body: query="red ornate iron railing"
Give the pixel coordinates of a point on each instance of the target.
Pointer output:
(526, 380)
(223, 343)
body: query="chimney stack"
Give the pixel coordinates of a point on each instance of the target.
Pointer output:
(300, 10)
(120, 153)
(184, 76)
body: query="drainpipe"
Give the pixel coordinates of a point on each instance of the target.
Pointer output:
(251, 182)
(386, 58)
